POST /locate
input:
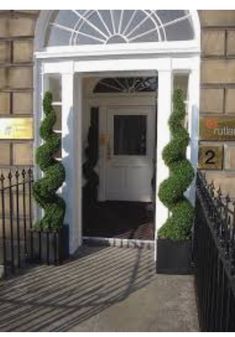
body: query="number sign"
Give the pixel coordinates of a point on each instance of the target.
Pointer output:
(211, 157)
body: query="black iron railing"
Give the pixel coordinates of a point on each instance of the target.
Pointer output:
(214, 257)
(20, 243)
(16, 218)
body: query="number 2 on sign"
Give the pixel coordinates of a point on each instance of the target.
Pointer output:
(210, 154)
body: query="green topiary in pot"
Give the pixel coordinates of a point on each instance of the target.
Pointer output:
(44, 190)
(171, 191)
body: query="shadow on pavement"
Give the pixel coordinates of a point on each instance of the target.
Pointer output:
(49, 298)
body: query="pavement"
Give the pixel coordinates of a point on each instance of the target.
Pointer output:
(103, 289)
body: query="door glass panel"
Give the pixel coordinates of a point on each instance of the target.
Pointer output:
(130, 135)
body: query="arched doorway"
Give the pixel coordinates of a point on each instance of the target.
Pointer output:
(71, 45)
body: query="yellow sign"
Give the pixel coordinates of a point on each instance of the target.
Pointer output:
(211, 157)
(16, 128)
(217, 128)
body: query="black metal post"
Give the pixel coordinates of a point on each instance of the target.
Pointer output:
(214, 257)
(11, 210)
(18, 218)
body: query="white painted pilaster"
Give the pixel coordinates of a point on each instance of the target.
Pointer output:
(69, 158)
(163, 138)
(39, 89)
(78, 115)
(193, 114)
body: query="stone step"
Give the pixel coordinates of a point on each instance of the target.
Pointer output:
(118, 242)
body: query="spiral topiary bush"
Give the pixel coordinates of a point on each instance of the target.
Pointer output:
(171, 191)
(91, 151)
(44, 190)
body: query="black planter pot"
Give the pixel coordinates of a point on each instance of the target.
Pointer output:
(174, 257)
(49, 246)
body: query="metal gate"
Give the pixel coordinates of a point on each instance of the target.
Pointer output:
(16, 219)
(21, 244)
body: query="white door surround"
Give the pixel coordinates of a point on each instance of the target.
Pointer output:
(72, 66)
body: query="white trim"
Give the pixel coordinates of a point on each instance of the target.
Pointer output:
(165, 69)
(41, 27)
(72, 63)
(45, 18)
(71, 155)
(173, 47)
(193, 114)
(120, 66)
(38, 112)
(165, 85)
(77, 152)
(197, 26)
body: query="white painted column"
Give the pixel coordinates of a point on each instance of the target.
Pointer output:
(69, 138)
(163, 138)
(78, 115)
(193, 114)
(39, 89)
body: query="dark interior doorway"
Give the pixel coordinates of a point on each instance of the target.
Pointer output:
(119, 219)
(125, 145)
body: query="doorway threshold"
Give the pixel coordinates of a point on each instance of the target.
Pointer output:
(118, 242)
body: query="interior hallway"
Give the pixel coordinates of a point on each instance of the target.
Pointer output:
(116, 219)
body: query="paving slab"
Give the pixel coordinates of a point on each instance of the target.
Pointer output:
(166, 304)
(103, 289)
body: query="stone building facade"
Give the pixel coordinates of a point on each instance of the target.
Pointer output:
(218, 82)
(17, 30)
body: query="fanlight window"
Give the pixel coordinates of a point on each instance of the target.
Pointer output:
(89, 27)
(126, 85)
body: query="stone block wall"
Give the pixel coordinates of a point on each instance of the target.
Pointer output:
(16, 81)
(218, 83)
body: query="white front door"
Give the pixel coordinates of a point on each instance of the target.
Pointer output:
(129, 153)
